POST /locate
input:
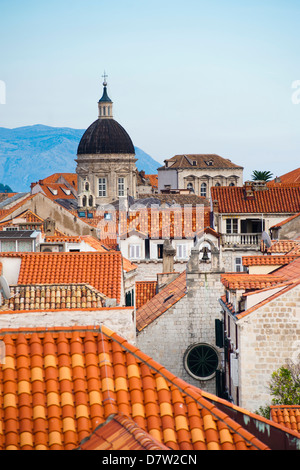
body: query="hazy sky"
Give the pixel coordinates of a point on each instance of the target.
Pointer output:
(187, 76)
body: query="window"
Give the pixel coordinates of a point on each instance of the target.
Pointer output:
(181, 252)
(231, 225)
(203, 189)
(231, 184)
(24, 245)
(217, 184)
(201, 361)
(102, 187)
(239, 265)
(160, 251)
(190, 186)
(134, 251)
(121, 187)
(84, 201)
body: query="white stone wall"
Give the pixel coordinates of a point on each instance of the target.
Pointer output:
(147, 271)
(190, 321)
(120, 320)
(267, 338)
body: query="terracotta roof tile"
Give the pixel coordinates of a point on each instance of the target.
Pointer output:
(59, 387)
(161, 302)
(144, 291)
(232, 200)
(186, 161)
(268, 260)
(286, 415)
(52, 296)
(250, 281)
(120, 433)
(290, 177)
(103, 271)
(284, 246)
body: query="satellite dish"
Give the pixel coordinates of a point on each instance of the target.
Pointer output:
(266, 239)
(4, 288)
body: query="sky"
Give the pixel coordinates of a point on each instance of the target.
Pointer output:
(193, 76)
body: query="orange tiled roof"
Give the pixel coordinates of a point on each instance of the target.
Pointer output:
(250, 281)
(186, 161)
(52, 296)
(71, 178)
(153, 180)
(56, 191)
(268, 260)
(144, 291)
(283, 246)
(100, 270)
(275, 199)
(57, 386)
(290, 177)
(120, 433)
(291, 271)
(161, 302)
(286, 415)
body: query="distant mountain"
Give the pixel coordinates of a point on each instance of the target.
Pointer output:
(28, 154)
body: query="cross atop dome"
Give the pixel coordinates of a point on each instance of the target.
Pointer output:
(104, 76)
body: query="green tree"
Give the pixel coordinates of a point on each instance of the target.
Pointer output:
(285, 385)
(261, 175)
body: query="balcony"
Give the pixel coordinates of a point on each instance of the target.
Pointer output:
(241, 239)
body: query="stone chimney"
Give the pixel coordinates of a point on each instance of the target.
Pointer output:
(248, 190)
(49, 227)
(168, 257)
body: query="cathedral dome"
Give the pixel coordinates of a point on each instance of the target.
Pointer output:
(105, 136)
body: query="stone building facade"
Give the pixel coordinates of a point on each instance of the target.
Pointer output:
(187, 330)
(260, 341)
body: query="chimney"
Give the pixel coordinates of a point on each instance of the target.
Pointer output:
(168, 257)
(248, 190)
(49, 227)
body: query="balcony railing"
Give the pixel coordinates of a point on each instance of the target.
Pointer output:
(241, 239)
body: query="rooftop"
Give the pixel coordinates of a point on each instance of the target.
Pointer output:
(273, 199)
(101, 270)
(58, 386)
(202, 161)
(161, 302)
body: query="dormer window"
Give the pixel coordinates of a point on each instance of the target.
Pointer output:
(194, 163)
(209, 162)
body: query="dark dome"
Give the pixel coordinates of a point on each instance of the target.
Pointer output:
(105, 136)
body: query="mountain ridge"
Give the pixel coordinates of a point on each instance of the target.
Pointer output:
(31, 153)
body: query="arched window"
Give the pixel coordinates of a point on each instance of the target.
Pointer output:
(203, 189)
(217, 184)
(84, 201)
(87, 186)
(231, 184)
(190, 187)
(91, 201)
